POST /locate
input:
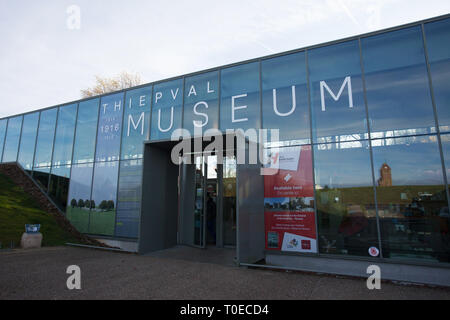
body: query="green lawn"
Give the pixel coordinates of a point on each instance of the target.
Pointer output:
(101, 222)
(17, 208)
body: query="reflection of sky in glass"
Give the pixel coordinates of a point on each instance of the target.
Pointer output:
(28, 140)
(109, 128)
(398, 92)
(167, 98)
(199, 90)
(86, 131)
(12, 139)
(62, 153)
(333, 64)
(46, 135)
(105, 182)
(136, 122)
(129, 198)
(80, 182)
(240, 81)
(2, 135)
(413, 161)
(338, 166)
(281, 74)
(438, 45)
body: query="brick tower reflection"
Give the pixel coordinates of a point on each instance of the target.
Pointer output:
(385, 176)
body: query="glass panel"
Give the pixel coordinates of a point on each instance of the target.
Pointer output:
(337, 97)
(79, 203)
(201, 102)
(229, 201)
(240, 101)
(445, 139)
(86, 131)
(136, 122)
(167, 109)
(28, 140)
(109, 128)
(398, 91)
(129, 199)
(42, 176)
(345, 199)
(438, 45)
(103, 204)
(412, 201)
(3, 124)
(12, 139)
(62, 153)
(285, 97)
(59, 186)
(199, 202)
(46, 135)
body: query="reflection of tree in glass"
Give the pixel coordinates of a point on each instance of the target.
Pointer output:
(106, 205)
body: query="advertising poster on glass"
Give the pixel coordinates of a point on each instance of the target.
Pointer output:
(289, 200)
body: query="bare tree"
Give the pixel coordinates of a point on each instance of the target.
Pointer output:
(105, 85)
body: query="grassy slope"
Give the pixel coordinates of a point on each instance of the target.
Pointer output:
(17, 209)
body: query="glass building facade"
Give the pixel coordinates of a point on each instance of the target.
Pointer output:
(371, 115)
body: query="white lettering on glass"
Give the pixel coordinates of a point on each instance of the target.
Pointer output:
(192, 91)
(275, 108)
(104, 107)
(142, 101)
(158, 96)
(174, 94)
(136, 125)
(171, 121)
(209, 88)
(117, 105)
(347, 82)
(234, 108)
(200, 124)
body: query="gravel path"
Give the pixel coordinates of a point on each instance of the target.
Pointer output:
(41, 274)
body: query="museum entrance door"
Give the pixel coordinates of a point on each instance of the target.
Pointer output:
(207, 206)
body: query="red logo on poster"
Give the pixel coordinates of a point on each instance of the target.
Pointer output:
(306, 244)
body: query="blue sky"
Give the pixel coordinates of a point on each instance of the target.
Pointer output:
(44, 63)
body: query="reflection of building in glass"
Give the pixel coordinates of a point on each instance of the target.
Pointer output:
(385, 176)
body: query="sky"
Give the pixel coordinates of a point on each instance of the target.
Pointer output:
(49, 52)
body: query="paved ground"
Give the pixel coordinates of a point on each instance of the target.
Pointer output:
(41, 274)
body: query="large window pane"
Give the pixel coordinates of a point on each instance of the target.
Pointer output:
(167, 109)
(129, 199)
(240, 102)
(42, 176)
(136, 122)
(3, 124)
(28, 140)
(412, 202)
(46, 135)
(86, 131)
(285, 97)
(345, 199)
(59, 185)
(109, 128)
(62, 153)
(201, 102)
(438, 45)
(337, 97)
(12, 139)
(79, 199)
(103, 203)
(398, 91)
